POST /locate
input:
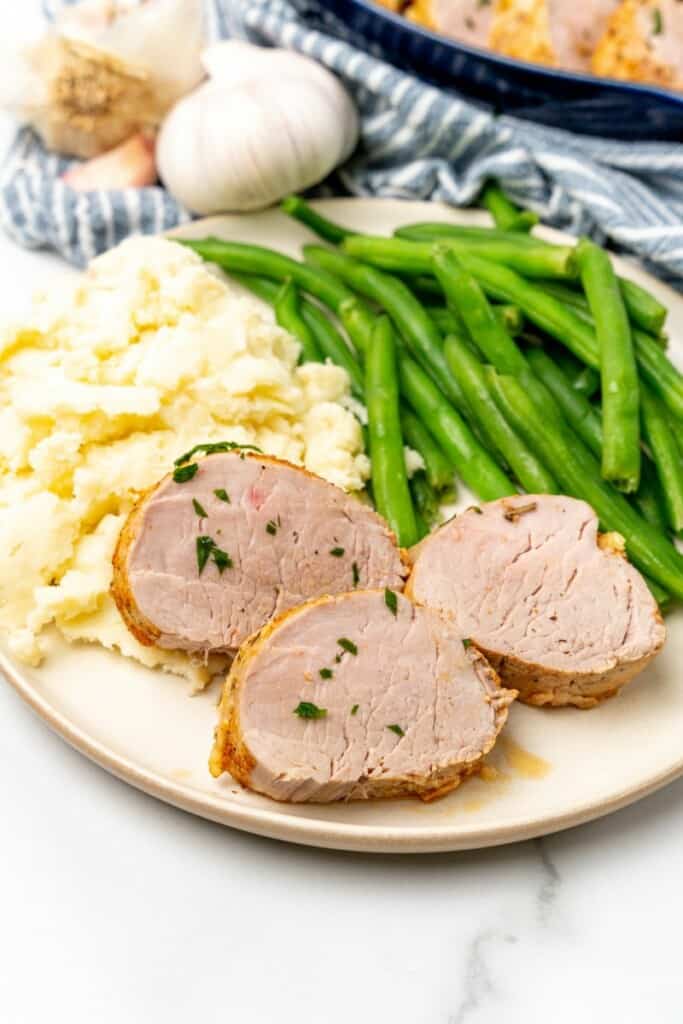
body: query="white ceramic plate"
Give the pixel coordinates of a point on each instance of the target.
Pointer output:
(552, 769)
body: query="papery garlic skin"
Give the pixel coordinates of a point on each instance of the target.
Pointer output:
(104, 72)
(165, 37)
(85, 101)
(268, 122)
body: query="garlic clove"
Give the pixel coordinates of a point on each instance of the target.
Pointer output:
(129, 165)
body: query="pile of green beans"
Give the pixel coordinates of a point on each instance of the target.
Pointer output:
(499, 357)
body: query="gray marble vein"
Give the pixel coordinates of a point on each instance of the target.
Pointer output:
(550, 883)
(479, 984)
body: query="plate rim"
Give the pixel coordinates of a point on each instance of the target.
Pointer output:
(318, 832)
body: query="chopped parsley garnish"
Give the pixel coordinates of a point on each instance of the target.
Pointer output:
(657, 22)
(205, 546)
(271, 527)
(397, 729)
(184, 473)
(347, 645)
(212, 448)
(337, 552)
(466, 642)
(307, 710)
(199, 509)
(222, 495)
(356, 574)
(391, 601)
(354, 709)
(326, 673)
(222, 559)
(474, 508)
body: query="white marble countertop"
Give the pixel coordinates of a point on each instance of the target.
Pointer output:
(117, 909)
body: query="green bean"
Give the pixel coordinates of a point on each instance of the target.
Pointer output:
(531, 260)
(511, 318)
(333, 346)
(528, 470)
(389, 479)
(578, 302)
(299, 209)
(464, 294)
(426, 503)
(586, 381)
(264, 288)
(330, 342)
(643, 308)
(471, 460)
(426, 288)
(542, 309)
(659, 372)
(358, 322)
(578, 473)
(506, 215)
(255, 259)
(447, 321)
(582, 378)
(660, 595)
(566, 294)
(435, 231)
(421, 526)
(649, 500)
(584, 419)
(466, 298)
(618, 372)
(409, 316)
(439, 470)
(288, 316)
(666, 456)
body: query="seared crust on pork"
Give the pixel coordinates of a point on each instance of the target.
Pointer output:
(408, 707)
(283, 535)
(558, 610)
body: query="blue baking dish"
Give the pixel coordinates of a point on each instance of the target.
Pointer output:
(579, 103)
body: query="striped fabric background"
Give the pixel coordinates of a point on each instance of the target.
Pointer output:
(418, 142)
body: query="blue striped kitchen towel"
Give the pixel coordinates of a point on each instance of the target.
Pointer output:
(417, 142)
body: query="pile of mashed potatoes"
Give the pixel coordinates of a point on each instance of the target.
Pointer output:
(148, 354)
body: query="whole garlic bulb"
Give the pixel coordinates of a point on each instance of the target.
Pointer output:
(268, 122)
(106, 70)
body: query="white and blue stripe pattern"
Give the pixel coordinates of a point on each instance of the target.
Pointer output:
(417, 141)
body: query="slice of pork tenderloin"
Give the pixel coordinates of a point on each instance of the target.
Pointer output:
(555, 607)
(202, 564)
(357, 696)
